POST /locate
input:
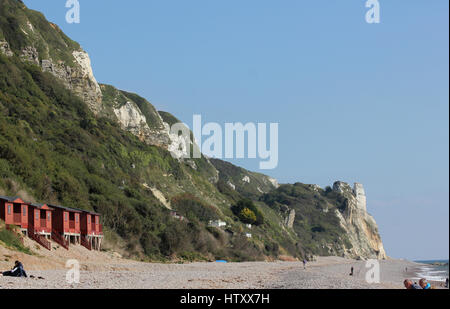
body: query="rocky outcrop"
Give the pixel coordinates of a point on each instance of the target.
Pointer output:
(133, 120)
(83, 82)
(30, 54)
(79, 78)
(274, 182)
(143, 122)
(289, 220)
(232, 186)
(360, 196)
(361, 228)
(177, 144)
(66, 60)
(5, 49)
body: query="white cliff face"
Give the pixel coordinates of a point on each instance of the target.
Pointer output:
(360, 196)
(84, 82)
(274, 182)
(316, 188)
(30, 26)
(232, 186)
(178, 143)
(79, 78)
(289, 221)
(131, 118)
(85, 63)
(360, 227)
(246, 179)
(72, 66)
(76, 74)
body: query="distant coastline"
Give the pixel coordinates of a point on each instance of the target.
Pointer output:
(432, 270)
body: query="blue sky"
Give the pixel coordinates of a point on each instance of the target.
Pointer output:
(354, 101)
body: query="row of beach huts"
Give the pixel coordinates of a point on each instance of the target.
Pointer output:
(46, 222)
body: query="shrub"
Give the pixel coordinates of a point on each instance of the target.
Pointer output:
(193, 208)
(247, 212)
(247, 216)
(174, 239)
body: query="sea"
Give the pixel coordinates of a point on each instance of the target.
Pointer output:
(433, 272)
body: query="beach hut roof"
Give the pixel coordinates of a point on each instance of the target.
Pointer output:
(40, 206)
(9, 198)
(88, 212)
(64, 208)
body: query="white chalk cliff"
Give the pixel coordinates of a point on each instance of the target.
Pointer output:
(360, 226)
(72, 66)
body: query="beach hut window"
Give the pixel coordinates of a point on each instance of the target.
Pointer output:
(49, 216)
(37, 215)
(65, 216)
(24, 211)
(9, 209)
(76, 218)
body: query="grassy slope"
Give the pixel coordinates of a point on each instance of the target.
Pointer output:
(11, 240)
(47, 38)
(234, 174)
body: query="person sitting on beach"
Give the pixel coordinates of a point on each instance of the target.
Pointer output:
(409, 285)
(425, 285)
(17, 271)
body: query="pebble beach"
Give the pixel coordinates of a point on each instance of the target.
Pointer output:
(325, 273)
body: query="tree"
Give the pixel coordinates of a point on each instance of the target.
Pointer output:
(246, 211)
(247, 216)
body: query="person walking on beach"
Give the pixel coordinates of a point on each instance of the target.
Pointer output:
(351, 271)
(17, 271)
(304, 263)
(409, 285)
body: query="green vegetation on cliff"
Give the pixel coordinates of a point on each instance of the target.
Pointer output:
(22, 28)
(316, 223)
(54, 149)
